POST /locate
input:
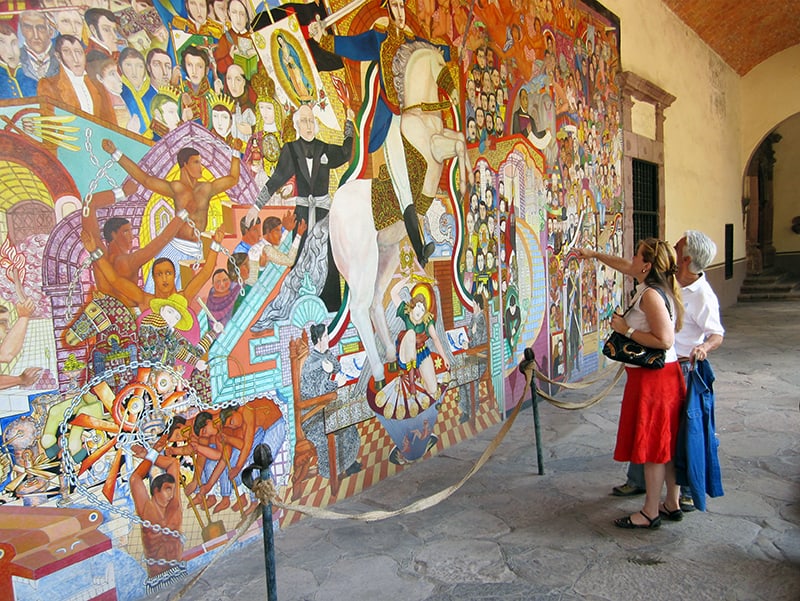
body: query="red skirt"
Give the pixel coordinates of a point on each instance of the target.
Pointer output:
(648, 420)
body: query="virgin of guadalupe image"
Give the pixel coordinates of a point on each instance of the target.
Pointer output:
(291, 69)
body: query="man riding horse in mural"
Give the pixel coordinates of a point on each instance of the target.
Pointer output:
(381, 45)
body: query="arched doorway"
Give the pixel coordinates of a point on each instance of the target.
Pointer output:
(758, 205)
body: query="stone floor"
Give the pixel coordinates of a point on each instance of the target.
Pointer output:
(511, 534)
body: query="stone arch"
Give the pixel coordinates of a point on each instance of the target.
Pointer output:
(759, 200)
(44, 165)
(769, 97)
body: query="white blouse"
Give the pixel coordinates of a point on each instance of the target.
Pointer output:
(637, 319)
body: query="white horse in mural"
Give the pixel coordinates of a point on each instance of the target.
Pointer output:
(366, 257)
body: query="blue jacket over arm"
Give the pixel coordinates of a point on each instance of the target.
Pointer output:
(696, 460)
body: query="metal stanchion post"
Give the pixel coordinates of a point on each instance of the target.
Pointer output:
(530, 359)
(262, 457)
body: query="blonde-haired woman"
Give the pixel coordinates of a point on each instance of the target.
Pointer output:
(651, 403)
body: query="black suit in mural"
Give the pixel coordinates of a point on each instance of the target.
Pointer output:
(311, 161)
(574, 49)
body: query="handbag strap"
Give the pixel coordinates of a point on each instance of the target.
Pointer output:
(638, 296)
(664, 296)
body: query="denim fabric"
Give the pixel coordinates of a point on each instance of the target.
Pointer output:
(696, 460)
(636, 475)
(273, 437)
(225, 486)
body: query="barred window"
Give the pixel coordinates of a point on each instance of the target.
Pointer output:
(645, 200)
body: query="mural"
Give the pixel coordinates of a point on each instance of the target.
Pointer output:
(328, 227)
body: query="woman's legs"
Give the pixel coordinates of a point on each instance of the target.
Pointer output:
(654, 475)
(671, 503)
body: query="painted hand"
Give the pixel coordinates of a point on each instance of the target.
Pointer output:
(252, 215)
(29, 376)
(108, 146)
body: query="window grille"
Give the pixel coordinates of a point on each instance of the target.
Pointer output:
(645, 200)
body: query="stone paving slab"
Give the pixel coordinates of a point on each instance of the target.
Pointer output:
(510, 534)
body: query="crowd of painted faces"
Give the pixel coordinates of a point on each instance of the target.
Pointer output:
(120, 66)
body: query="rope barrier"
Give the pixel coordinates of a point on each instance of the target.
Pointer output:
(430, 501)
(264, 491)
(585, 383)
(584, 404)
(266, 494)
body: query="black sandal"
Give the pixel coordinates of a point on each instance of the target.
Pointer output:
(626, 522)
(672, 516)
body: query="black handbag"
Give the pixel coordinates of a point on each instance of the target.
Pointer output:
(619, 347)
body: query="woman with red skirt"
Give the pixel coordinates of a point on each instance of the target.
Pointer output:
(652, 401)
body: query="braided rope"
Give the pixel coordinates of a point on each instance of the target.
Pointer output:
(588, 402)
(265, 492)
(585, 383)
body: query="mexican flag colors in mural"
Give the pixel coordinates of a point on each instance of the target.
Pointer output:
(328, 227)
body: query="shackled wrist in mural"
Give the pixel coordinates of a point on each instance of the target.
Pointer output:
(150, 361)
(263, 198)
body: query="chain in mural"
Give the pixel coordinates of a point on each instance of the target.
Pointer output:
(327, 227)
(149, 421)
(102, 171)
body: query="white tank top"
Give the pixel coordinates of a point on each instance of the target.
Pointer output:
(637, 319)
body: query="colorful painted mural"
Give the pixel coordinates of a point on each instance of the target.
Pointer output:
(328, 227)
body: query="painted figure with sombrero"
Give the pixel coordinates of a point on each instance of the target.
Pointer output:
(169, 334)
(174, 310)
